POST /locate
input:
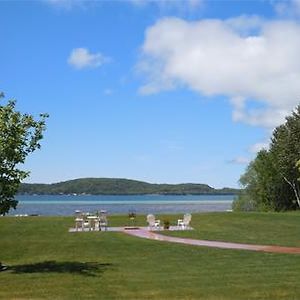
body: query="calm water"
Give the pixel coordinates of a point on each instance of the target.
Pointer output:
(64, 205)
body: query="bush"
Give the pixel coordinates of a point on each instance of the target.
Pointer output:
(243, 203)
(166, 224)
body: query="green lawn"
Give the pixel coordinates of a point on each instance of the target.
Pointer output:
(254, 228)
(47, 262)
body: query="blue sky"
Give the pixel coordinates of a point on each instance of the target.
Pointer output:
(159, 91)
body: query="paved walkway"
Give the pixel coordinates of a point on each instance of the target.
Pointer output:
(142, 233)
(121, 229)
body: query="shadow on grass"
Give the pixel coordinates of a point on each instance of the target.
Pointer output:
(72, 267)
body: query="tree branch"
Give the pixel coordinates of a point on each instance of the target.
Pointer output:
(296, 192)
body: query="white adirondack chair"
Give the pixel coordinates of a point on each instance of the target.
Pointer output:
(152, 222)
(185, 222)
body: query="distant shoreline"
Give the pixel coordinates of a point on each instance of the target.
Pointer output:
(138, 194)
(120, 186)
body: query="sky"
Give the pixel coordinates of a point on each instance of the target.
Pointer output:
(158, 91)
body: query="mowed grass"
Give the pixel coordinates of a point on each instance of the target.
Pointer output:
(47, 262)
(281, 229)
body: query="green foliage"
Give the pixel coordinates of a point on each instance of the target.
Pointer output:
(167, 224)
(271, 180)
(261, 181)
(298, 166)
(113, 186)
(243, 203)
(19, 136)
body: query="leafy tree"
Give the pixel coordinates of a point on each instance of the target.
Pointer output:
(260, 183)
(271, 180)
(285, 147)
(298, 166)
(19, 136)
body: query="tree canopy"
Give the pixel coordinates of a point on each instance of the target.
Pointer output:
(20, 135)
(271, 180)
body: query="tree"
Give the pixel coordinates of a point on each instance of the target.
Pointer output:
(261, 183)
(271, 180)
(285, 147)
(19, 136)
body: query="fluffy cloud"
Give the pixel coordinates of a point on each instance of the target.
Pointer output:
(247, 59)
(81, 58)
(243, 160)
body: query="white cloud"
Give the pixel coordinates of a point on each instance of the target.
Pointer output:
(183, 6)
(266, 117)
(288, 8)
(81, 58)
(259, 146)
(179, 5)
(240, 160)
(245, 24)
(247, 59)
(243, 160)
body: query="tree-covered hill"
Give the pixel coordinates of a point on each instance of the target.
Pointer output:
(115, 186)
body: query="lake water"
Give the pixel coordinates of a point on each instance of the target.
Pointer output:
(64, 205)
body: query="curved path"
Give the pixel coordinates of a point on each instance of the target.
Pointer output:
(142, 233)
